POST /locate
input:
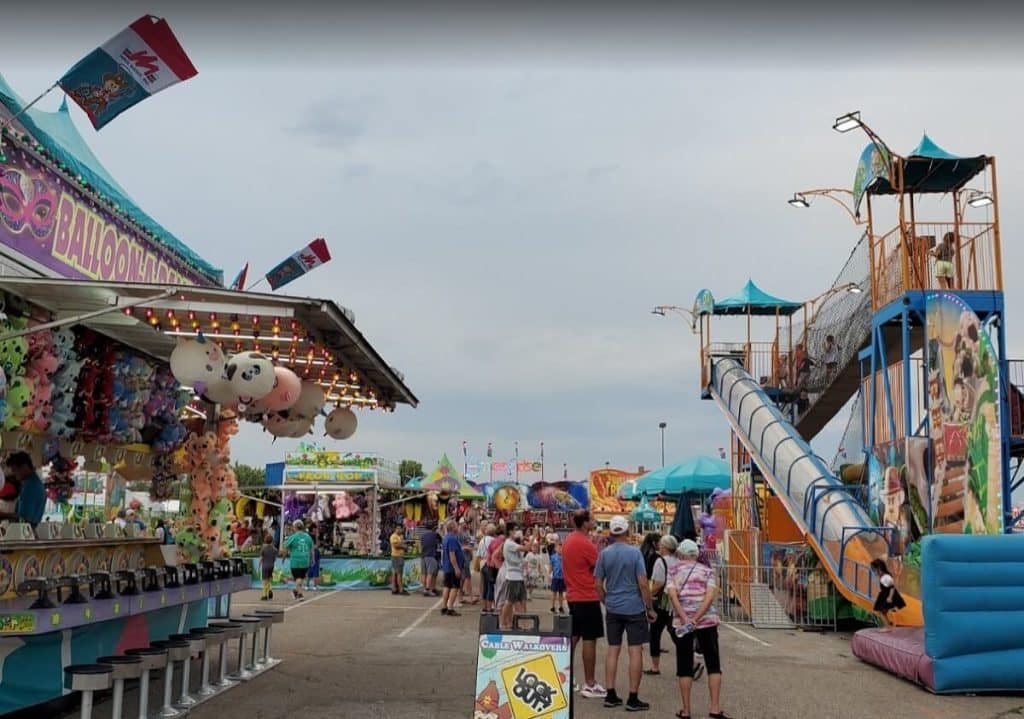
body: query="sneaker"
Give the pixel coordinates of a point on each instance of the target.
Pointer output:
(561, 610)
(444, 611)
(295, 594)
(552, 610)
(635, 705)
(263, 599)
(453, 613)
(270, 595)
(404, 593)
(458, 605)
(594, 691)
(612, 700)
(575, 687)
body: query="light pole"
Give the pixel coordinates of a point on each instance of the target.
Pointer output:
(800, 200)
(689, 316)
(662, 426)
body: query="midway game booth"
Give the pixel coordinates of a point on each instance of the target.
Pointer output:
(340, 496)
(70, 593)
(118, 345)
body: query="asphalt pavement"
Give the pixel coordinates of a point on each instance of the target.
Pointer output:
(373, 655)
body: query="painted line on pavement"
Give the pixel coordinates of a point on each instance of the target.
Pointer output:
(307, 602)
(420, 618)
(743, 634)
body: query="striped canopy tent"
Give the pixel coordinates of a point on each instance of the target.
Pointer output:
(447, 480)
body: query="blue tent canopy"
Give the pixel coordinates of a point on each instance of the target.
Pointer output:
(752, 300)
(56, 132)
(700, 474)
(929, 168)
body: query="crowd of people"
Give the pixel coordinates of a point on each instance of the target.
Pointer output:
(615, 593)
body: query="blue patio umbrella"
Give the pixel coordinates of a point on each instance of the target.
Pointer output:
(629, 491)
(700, 474)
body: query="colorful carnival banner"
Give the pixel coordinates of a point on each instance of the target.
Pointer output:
(558, 496)
(963, 390)
(311, 456)
(46, 220)
(873, 164)
(604, 491)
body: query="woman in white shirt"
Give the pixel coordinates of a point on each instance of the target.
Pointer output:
(664, 563)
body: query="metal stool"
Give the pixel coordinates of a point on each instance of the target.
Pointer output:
(258, 659)
(152, 658)
(177, 651)
(126, 666)
(197, 647)
(232, 630)
(249, 625)
(87, 678)
(277, 617)
(212, 637)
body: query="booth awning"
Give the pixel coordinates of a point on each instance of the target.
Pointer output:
(752, 300)
(315, 337)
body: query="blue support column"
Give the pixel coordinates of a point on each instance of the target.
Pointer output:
(908, 426)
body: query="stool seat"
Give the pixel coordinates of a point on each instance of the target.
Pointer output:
(249, 625)
(263, 619)
(277, 615)
(125, 666)
(213, 636)
(197, 644)
(152, 657)
(177, 651)
(232, 630)
(88, 677)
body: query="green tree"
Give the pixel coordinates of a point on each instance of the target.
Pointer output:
(408, 469)
(249, 476)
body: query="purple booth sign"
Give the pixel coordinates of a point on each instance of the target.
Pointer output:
(46, 220)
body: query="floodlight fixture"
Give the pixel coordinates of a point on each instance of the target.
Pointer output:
(847, 122)
(798, 200)
(980, 199)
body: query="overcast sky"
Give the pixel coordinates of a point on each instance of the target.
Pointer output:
(506, 197)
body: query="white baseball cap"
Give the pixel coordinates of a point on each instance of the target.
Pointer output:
(619, 524)
(688, 548)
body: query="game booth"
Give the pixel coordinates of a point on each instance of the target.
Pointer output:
(339, 495)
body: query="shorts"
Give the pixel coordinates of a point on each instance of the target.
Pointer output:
(558, 586)
(428, 566)
(452, 580)
(587, 620)
(267, 574)
(944, 268)
(314, 571)
(515, 590)
(634, 626)
(398, 564)
(708, 638)
(299, 572)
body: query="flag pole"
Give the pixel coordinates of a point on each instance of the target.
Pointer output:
(10, 120)
(256, 283)
(542, 461)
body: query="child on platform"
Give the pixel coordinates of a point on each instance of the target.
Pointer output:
(268, 555)
(889, 598)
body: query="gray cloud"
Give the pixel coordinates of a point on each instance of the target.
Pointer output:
(483, 261)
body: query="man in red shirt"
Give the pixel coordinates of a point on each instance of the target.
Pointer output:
(579, 557)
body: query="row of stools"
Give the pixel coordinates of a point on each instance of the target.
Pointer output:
(251, 630)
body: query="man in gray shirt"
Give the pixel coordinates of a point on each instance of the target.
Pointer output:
(515, 585)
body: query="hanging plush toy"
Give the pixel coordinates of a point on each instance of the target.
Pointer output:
(251, 376)
(340, 423)
(197, 363)
(285, 393)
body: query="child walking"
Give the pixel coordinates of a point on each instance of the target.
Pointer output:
(532, 570)
(557, 579)
(268, 555)
(889, 598)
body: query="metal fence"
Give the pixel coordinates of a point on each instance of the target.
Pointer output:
(779, 597)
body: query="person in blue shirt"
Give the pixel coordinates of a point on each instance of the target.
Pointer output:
(32, 499)
(451, 565)
(557, 579)
(622, 585)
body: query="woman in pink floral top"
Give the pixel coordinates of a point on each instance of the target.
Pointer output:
(692, 589)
